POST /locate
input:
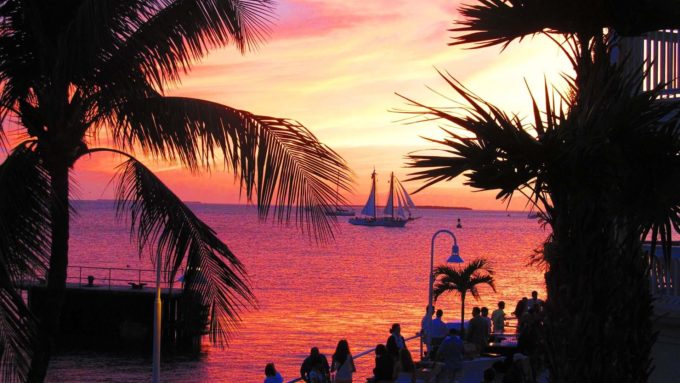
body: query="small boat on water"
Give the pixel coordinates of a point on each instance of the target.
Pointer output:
(392, 217)
(339, 211)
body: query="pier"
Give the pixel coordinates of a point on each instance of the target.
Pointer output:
(112, 309)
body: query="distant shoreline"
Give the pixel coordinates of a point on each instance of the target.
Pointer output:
(356, 207)
(425, 207)
(444, 207)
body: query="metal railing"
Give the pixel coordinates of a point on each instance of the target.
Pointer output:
(357, 356)
(664, 278)
(115, 277)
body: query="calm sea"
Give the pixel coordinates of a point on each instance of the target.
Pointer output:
(311, 295)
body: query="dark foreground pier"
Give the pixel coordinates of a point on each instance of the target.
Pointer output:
(114, 311)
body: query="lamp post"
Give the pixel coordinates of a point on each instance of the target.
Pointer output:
(454, 258)
(156, 371)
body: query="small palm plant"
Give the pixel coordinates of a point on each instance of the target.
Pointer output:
(462, 280)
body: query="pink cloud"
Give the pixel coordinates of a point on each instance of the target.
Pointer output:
(302, 18)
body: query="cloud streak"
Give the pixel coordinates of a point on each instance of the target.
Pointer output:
(336, 65)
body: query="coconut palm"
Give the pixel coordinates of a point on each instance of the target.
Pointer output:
(462, 280)
(599, 160)
(82, 77)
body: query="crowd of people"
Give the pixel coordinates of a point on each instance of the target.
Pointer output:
(447, 348)
(393, 363)
(482, 329)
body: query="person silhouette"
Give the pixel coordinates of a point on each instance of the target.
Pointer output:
(459, 225)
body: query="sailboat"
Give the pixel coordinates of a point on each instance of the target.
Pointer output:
(392, 217)
(339, 211)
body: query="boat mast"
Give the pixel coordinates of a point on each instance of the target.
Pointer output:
(392, 193)
(375, 207)
(337, 192)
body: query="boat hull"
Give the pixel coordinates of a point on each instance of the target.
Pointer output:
(386, 222)
(341, 213)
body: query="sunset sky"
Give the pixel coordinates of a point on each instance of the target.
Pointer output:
(335, 66)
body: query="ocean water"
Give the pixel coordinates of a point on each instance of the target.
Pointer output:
(308, 294)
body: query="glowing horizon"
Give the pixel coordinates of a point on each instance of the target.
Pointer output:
(336, 67)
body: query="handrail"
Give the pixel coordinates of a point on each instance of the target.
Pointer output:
(357, 356)
(110, 277)
(114, 278)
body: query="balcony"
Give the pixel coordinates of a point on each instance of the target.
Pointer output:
(658, 54)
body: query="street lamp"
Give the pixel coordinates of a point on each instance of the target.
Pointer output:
(453, 258)
(156, 370)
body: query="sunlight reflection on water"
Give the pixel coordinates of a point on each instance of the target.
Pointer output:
(310, 295)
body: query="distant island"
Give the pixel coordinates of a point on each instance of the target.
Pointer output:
(444, 207)
(108, 200)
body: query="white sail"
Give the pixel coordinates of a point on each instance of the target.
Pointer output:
(407, 198)
(400, 208)
(369, 211)
(369, 208)
(389, 205)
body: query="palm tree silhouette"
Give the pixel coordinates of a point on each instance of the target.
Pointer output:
(463, 280)
(599, 162)
(82, 77)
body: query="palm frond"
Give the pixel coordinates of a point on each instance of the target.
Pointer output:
(18, 332)
(24, 248)
(481, 280)
(94, 28)
(15, 61)
(24, 214)
(633, 18)
(278, 161)
(476, 265)
(627, 143)
(502, 155)
(499, 22)
(612, 125)
(162, 222)
(465, 278)
(171, 36)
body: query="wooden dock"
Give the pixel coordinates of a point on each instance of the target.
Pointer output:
(116, 313)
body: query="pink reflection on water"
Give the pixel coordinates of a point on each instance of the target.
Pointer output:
(310, 295)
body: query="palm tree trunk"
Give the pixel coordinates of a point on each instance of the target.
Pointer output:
(598, 325)
(462, 315)
(49, 314)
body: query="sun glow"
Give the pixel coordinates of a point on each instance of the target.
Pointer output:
(335, 67)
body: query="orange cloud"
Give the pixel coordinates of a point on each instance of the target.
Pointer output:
(335, 66)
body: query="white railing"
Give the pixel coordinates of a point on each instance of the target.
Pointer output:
(661, 62)
(665, 280)
(658, 55)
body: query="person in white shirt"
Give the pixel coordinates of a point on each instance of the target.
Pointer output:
(439, 332)
(485, 316)
(343, 363)
(426, 327)
(498, 318)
